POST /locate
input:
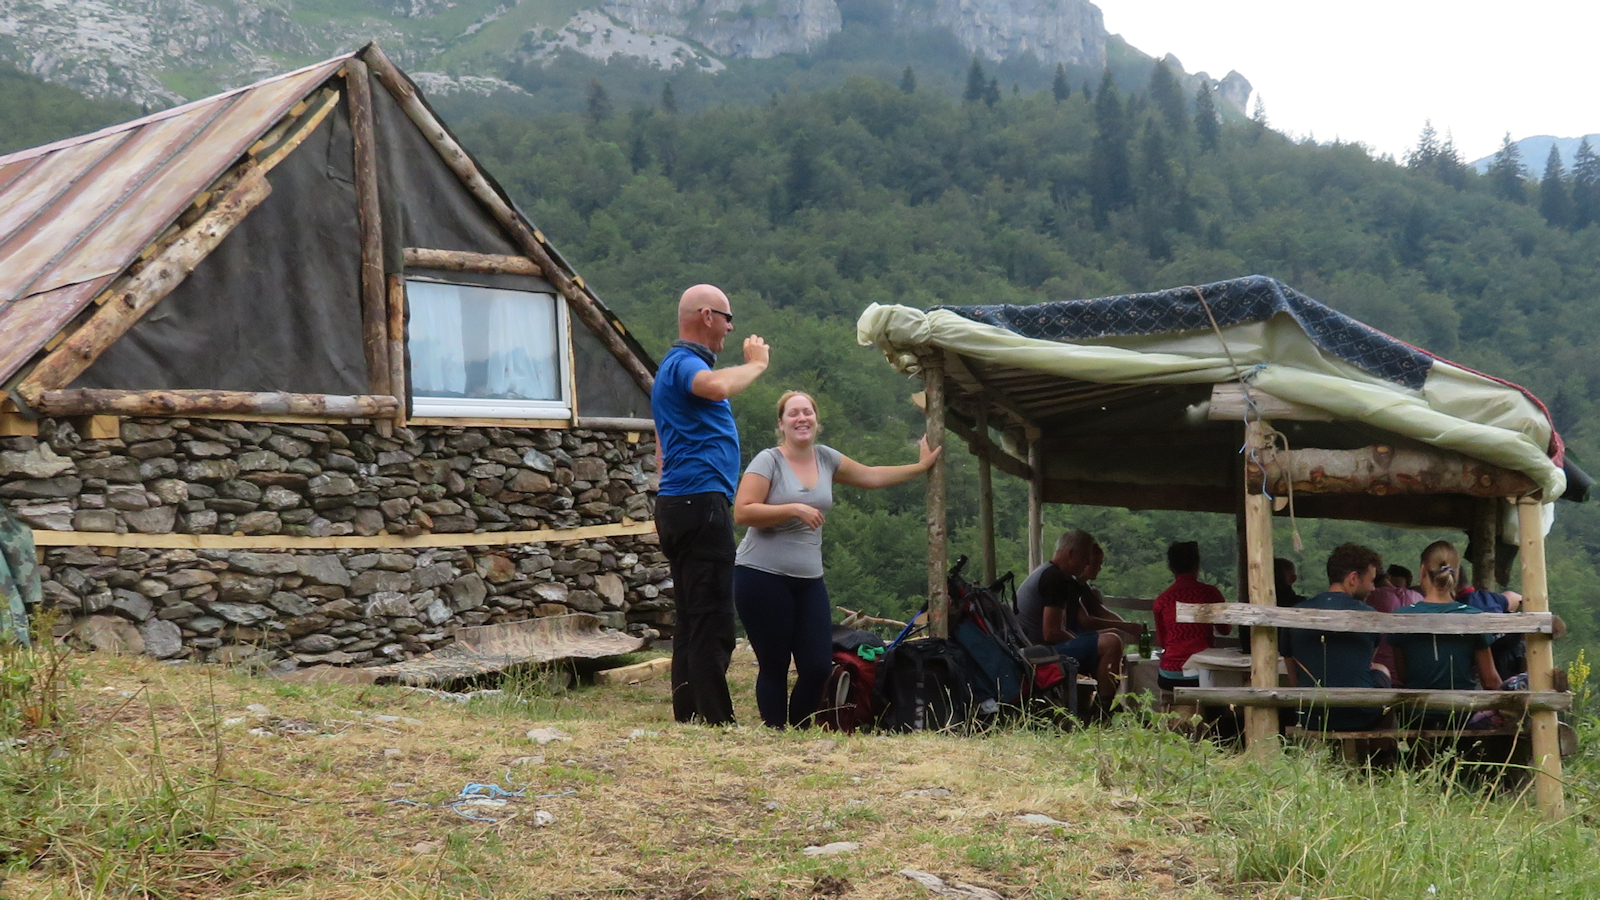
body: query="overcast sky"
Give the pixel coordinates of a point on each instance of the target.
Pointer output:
(1371, 71)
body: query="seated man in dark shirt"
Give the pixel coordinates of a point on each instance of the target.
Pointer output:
(1338, 659)
(1053, 608)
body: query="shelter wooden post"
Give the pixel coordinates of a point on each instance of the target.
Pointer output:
(986, 500)
(1485, 530)
(938, 586)
(1035, 500)
(1260, 723)
(1541, 660)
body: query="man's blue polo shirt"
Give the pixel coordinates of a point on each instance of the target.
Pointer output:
(699, 441)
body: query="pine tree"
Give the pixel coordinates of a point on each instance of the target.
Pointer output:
(1110, 183)
(991, 94)
(1555, 204)
(977, 83)
(802, 176)
(1205, 116)
(638, 153)
(1450, 168)
(1167, 95)
(1505, 172)
(669, 100)
(1425, 156)
(908, 81)
(1059, 88)
(1258, 113)
(1585, 187)
(599, 107)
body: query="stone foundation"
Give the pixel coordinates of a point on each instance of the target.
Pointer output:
(370, 605)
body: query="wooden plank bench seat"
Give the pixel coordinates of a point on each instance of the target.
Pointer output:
(1299, 731)
(1373, 622)
(1404, 698)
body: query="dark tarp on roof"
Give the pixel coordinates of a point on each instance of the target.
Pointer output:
(1255, 298)
(277, 305)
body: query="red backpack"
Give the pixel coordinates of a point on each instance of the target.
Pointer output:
(847, 697)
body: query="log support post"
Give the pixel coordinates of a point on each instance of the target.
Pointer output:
(938, 586)
(1036, 556)
(1261, 725)
(398, 383)
(369, 218)
(1485, 532)
(1541, 660)
(986, 501)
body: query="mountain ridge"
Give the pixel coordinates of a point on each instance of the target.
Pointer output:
(157, 53)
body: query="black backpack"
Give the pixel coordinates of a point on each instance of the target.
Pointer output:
(922, 686)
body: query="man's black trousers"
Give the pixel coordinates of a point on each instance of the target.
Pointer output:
(696, 532)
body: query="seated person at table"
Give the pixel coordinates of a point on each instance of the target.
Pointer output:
(1386, 597)
(1051, 610)
(1338, 659)
(1284, 577)
(1400, 578)
(1443, 662)
(1095, 613)
(1181, 640)
(1510, 651)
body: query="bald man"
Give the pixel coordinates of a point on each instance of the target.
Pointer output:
(697, 445)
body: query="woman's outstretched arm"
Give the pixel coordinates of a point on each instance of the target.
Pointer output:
(750, 506)
(855, 474)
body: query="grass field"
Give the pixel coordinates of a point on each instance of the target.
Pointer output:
(161, 781)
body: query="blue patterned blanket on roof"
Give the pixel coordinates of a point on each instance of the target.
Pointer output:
(1254, 298)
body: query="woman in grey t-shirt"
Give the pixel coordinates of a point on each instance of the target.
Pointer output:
(777, 577)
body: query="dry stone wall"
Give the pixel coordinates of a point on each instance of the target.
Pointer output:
(345, 606)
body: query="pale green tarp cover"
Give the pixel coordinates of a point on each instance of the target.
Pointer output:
(1456, 409)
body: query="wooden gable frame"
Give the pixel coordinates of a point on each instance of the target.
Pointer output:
(162, 265)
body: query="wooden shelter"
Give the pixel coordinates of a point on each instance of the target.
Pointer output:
(1245, 397)
(286, 359)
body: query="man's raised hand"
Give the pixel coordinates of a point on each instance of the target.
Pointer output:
(755, 350)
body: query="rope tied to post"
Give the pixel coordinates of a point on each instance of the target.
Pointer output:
(1270, 436)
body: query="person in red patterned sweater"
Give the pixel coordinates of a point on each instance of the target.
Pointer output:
(1181, 640)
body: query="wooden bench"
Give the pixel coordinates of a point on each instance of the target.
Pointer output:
(1517, 703)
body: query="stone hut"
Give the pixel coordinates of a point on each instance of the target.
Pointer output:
(290, 380)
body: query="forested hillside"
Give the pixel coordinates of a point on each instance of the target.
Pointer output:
(33, 112)
(816, 204)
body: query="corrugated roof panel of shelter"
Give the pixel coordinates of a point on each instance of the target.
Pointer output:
(75, 213)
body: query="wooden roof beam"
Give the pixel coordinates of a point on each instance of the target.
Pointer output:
(1385, 471)
(1228, 404)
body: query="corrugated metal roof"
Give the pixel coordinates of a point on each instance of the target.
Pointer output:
(75, 213)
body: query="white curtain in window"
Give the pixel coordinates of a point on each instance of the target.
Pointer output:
(523, 361)
(438, 352)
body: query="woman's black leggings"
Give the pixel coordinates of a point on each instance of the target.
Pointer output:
(786, 618)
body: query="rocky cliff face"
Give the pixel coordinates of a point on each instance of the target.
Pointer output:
(129, 48)
(1067, 31)
(1056, 31)
(735, 27)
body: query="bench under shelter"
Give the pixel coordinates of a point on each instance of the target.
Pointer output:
(1250, 398)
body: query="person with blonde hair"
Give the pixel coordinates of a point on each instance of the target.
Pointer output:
(778, 586)
(1443, 662)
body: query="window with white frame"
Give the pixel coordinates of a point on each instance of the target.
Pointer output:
(487, 352)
